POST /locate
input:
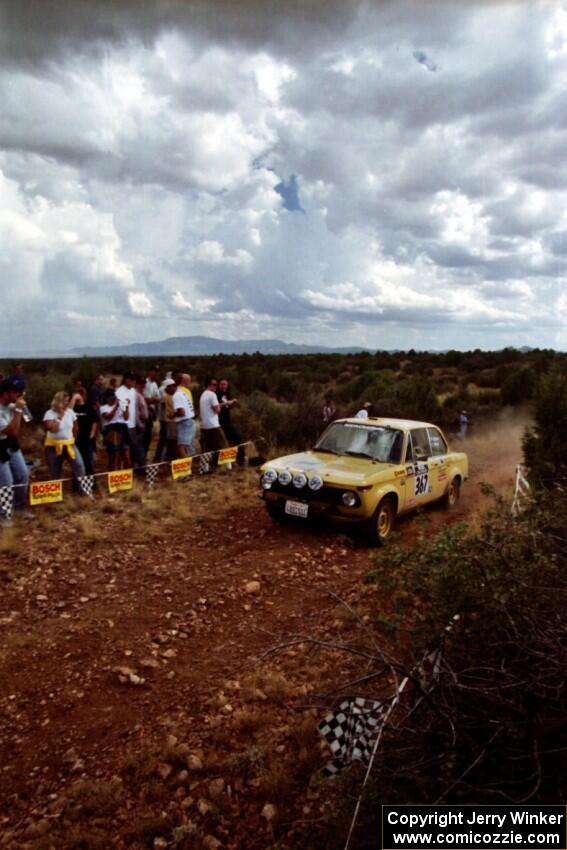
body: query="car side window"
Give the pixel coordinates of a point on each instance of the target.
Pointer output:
(420, 442)
(408, 456)
(438, 444)
(395, 455)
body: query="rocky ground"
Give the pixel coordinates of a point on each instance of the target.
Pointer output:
(136, 708)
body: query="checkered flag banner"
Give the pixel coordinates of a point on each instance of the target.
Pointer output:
(6, 502)
(152, 474)
(87, 485)
(351, 731)
(204, 462)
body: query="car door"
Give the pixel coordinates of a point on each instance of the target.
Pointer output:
(419, 490)
(438, 465)
(403, 471)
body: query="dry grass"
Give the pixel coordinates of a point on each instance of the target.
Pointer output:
(88, 528)
(276, 783)
(10, 542)
(141, 513)
(266, 684)
(246, 763)
(145, 829)
(474, 390)
(139, 765)
(306, 739)
(248, 721)
(304, 733)
(97, 797)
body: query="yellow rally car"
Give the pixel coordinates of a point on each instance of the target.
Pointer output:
(366, 471)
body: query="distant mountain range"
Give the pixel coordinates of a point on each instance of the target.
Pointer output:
(200, 345)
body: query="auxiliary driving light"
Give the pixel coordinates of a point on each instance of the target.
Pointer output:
(315, 482)
(268, 478)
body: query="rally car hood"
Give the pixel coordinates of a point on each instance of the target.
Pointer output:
(333, 469)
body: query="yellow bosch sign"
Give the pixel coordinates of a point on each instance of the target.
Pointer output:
(228, 455)
(119, 480)
(181, 467)
(42, 492)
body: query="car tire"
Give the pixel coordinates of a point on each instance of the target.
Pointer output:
(453, 493)
(381, 524)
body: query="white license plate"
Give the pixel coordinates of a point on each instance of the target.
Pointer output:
(296, 509)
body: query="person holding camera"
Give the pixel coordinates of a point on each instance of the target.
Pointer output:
(13, 469)
(230, 431)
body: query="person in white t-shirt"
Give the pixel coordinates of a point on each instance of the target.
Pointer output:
(114, 432)
(212, 437)
(60, 423)
(126, 395)
(364, 411)
(185, 419)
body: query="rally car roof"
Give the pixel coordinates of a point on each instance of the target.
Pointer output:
(402, 424)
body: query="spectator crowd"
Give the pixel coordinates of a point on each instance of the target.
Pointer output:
(122, 418)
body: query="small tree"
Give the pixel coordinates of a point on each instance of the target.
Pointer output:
(411, 399)
(518, 386)
(545, 445)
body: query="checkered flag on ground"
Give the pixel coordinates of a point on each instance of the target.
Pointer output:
(428, 671)
(6, 502)
(350, 732)
(152, 474)
(87, 485)
(204, 462)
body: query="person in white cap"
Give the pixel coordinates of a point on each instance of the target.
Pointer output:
(163, 421)
(364, 411)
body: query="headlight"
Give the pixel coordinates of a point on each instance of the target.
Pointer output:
(284, 477)
(349, 499)
(315, 482)
(299, 480)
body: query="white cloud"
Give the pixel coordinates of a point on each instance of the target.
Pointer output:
(140, 304)
(180, 301)
(140, 152)
(212, 253)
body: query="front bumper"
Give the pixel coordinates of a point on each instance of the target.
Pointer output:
(332, 509)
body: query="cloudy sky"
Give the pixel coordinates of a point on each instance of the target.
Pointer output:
(386, 174)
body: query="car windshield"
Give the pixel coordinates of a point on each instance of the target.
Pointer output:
(372, 441)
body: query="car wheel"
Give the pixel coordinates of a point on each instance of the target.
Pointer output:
(381, 523)
(451, 497)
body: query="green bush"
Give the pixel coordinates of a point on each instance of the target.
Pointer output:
(414, 398)
(40, 390)
(545, 445)
(518, 386)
